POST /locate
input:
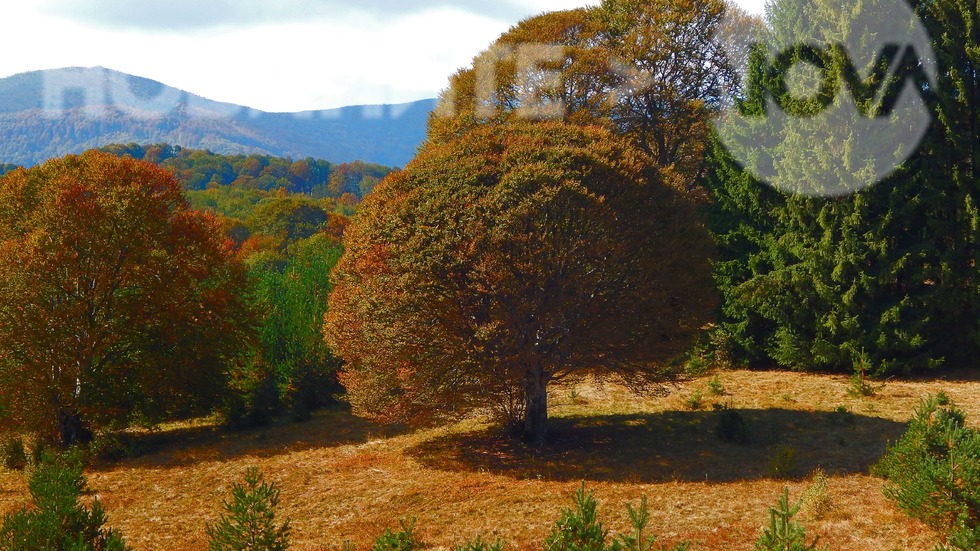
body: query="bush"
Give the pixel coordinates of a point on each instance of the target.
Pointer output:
(13, 455)
(579, 529)
(731, 426)
(251, 519)
(715, 386)
(933, 472)
(402, 540)
(783, 533)
(253, 396)
(783, 462)
(57, 520)
(479, 544)
(109, 446)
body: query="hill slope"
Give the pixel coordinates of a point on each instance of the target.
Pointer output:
(46, 114)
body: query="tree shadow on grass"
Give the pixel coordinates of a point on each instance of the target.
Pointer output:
(330, 427)
(674, 446)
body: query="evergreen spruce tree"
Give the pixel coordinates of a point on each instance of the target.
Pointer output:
(57, 521)
(250, 522)
(884, 279)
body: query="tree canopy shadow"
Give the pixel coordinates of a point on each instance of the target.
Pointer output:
(331, 427)
(674, 446)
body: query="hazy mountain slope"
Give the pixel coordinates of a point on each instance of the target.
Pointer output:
(45, 114)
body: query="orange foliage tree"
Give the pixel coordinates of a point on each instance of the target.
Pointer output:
(115, 297)
(650, 69)
(514, 256)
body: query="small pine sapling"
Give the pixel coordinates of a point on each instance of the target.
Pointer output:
(578, 529)
(636, 540)
(784, 534)
(402, 540)
(250, 519)
(57, 519)
(479, 544)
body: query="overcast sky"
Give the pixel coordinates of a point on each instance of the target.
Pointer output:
(273, 55)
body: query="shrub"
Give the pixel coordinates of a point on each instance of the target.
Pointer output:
(57, 520)
(933, 472)
(109, 446)
(694, 401)
(578, 529)
(635, 540)
(253, 396)
(816, 498)
(783, 533)
(479, 544)
(402, 540)
(715, 387)
(783, 462)
(731, 426)
(13, 455)
(250, 522)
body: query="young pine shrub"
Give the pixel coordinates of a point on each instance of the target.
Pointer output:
(637, 540)
(783, 462)
(816, 498)
(579, 529)
(402, 540)
(731, 426)
(250, 519)
(57, 521)
(784, 534)
(479, 544)
(13, 454)
(933, 472)
(715, 386)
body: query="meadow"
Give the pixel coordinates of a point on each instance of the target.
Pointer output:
(345, 479)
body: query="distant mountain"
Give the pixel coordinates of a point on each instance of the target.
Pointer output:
(45, 114)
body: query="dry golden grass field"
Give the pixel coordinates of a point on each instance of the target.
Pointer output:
(344, 479)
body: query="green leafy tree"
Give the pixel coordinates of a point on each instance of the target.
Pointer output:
(510, 258)
(249, 521)
(294, 301)
(57, 521)
(115, 298)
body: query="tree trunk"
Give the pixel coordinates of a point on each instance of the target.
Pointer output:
(536, 415)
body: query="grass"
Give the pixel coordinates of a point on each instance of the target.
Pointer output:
(344, 479)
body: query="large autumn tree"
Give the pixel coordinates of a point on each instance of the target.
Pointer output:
(651, 69)
(115, 297)
(511, 257)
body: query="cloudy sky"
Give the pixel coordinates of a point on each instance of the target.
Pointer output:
(273, 55)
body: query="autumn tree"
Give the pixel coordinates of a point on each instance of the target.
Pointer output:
(512, 257)
(651, 70)
(115, 297)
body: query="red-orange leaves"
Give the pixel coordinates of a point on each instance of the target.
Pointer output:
(114, 296)
(518, 251)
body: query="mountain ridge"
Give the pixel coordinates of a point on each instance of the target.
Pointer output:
(49, 113)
